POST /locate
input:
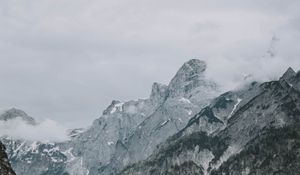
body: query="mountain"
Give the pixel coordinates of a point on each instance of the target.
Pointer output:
(16, 113)
(124, 130)
(5, 168)
(182, 128)
(254, 130)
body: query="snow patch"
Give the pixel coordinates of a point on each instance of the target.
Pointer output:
(34, 147)
(18, 149)
(190, 112)
(185, 100)
(117, 107)
(165, 122)
(110, 143)
(234, 108)
(69, 155)
(231, 150)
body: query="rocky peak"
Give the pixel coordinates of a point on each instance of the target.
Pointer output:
(189, 77)
(289, 74)
(16, 113)
(291, 78)
(112, 107)
(189, 71)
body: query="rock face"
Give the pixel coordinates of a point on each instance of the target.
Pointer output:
(123, 132)
(251, 131)
(5, 168)
(275, 151)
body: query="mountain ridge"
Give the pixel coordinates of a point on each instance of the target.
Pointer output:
(183, 127)
(277, 101)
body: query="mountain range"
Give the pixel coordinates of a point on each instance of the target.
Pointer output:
(185, 127)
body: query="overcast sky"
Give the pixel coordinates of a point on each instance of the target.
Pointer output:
(67, 59)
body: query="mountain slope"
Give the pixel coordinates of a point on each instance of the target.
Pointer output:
(138, 126)
(271, 106)
(275, 151)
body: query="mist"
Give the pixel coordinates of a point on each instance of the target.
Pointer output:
(45, 131)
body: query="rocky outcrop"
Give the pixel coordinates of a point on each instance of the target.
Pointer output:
(5, 168)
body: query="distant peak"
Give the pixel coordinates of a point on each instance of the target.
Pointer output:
(194, 65)
(14, 113)
(290, 70)
(189, 77)
(189, 70)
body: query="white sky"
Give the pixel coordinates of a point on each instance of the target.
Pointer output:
(67, 59)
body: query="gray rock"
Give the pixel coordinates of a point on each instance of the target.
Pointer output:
(5, 168)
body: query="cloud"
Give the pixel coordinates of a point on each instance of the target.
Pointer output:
(67, 60)
(46, 131)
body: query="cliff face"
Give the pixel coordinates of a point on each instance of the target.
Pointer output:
(5, 168)
(275, 151)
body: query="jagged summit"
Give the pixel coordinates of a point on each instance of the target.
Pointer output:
(292, 78)
(112, 107)
(15, 113)
(190, 77)
(189, 70)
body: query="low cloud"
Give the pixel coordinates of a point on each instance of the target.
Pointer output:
(46, 131)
